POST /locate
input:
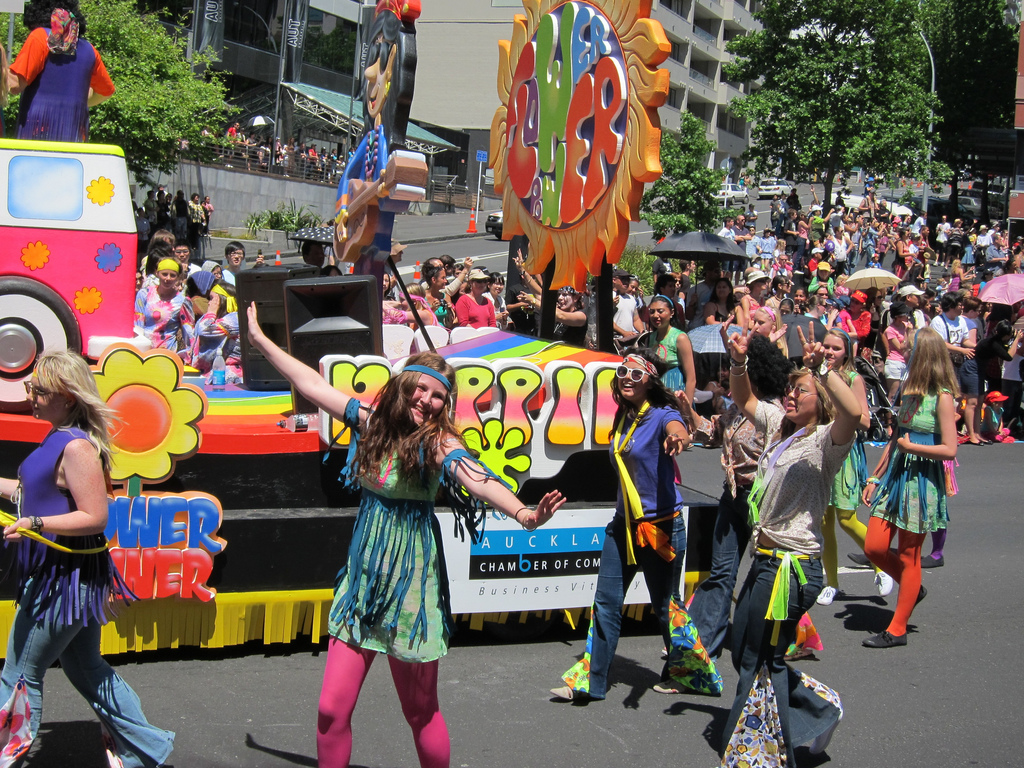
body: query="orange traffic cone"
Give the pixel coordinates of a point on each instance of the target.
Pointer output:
(472, 222)
(277, 259)
(416, 274)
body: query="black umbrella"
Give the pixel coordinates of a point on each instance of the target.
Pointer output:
(322, 235)
(698, 245)
(796, 349)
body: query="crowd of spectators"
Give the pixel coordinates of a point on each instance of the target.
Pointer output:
(292, 158)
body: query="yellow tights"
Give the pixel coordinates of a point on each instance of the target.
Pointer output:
(854, 528)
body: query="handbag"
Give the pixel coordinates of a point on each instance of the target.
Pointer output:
(958, 358)
(757, 740)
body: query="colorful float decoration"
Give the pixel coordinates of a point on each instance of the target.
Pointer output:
(382, 177)
(578, 132)
(162, 543)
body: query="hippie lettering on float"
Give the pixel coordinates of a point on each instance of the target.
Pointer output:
(577, 134)
(566, 115)
(523, 421)
(163, 544)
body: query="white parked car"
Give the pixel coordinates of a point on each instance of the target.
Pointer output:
(770, 187)
(731, 194)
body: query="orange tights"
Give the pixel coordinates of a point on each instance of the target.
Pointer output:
(904, 567)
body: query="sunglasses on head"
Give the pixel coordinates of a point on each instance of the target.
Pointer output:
(633, 374)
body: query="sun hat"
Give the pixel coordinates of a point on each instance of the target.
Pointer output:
(478, 274)
(824, 266)
(995, 396)
(755, 275)
(911, 290)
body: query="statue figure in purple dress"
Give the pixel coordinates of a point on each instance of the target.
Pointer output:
(58, 74)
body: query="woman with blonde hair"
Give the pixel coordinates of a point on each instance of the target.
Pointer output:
(908, 491)
(807, 444)
(67, 585)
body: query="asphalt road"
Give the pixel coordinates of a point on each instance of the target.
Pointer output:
(950, 698)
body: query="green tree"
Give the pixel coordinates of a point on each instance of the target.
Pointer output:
(975, 71)
(161, 106)
(842, 86)
(682, 200)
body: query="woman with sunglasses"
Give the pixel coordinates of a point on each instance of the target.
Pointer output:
(648, 533)
(791, 489)
(66, 584)
(389, 597)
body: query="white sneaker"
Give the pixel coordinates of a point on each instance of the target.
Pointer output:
(820, 743)
(828, 594)
(883, 583)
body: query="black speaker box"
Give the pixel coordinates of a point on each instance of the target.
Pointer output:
(331, 316)
(265, 286)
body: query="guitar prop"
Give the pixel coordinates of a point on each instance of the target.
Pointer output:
(404, 179)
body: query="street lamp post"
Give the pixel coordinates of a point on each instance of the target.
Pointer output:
(931, 124)
(277, 95)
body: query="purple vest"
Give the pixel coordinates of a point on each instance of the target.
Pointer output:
(66, 586)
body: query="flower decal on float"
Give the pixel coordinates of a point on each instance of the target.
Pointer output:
(157, 415)
(88, 300)
(578, 133)
(100, 191)
(35, 255)
(495, 448)
(108, 258)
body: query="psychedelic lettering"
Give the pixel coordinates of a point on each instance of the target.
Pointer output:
(524, 421)
(164, 544)
(567, 115)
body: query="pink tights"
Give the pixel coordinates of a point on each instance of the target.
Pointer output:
(416, 684)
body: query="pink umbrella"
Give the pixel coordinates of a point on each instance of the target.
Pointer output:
(1005, 289)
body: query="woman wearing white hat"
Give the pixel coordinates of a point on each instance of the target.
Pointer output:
(473, 309)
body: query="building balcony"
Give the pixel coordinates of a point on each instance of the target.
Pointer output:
(707, 37)
(699, 77)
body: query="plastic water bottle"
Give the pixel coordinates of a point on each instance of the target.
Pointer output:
(301, 422)
(218, 379)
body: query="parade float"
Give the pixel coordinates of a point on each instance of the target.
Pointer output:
(227, 518)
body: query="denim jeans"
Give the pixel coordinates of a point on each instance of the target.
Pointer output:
(613, 578)
(32, 648)
(712, 601)
(803, 714)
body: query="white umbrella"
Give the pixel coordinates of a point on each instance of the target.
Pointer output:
(260, 120)
(863, 279)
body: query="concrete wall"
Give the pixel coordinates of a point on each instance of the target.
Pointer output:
(237, 193)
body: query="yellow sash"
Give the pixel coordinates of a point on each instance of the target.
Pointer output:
(646, 533)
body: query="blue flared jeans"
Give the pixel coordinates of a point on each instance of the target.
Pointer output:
(803, 714)
(32, 648)
(712, 601)
(613, 579)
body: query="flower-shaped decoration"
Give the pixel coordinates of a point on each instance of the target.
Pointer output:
(157, 414)
(35, 255)
(100, 191)
(88, 300)
(495, 448)
(108, 258)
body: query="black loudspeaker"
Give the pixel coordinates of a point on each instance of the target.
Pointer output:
(265, 287)
(331, 316)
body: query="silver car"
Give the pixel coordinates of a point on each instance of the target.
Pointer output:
(731, 194)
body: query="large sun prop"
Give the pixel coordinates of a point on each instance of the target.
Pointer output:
(578, 133)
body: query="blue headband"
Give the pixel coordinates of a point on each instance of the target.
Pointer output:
(664, 298)
(430, 372)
